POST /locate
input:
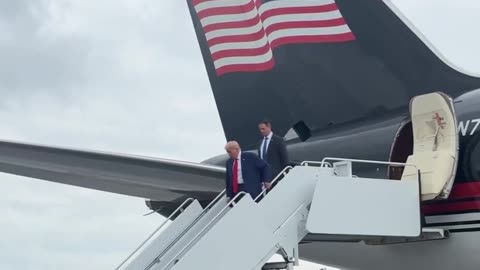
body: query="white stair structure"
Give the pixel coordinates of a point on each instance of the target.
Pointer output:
(246, 232)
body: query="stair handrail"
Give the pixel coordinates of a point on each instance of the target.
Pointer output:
(283, 172)
(174, 241)
(369, 162)
(390, 163)
(321, 163)
(195, 238)
(179, 208)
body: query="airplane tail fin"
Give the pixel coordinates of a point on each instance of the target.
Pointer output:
(323, 62)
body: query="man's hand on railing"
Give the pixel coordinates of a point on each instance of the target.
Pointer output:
(267, 185)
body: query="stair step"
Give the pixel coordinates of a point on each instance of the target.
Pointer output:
(275, 266)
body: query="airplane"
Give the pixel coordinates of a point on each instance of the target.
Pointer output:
(347, 93)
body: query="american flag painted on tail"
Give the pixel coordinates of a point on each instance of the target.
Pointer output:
(241, 34)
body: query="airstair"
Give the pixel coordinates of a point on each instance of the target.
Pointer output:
(318, 198)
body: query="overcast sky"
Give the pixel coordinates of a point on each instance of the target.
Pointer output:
(123, 76)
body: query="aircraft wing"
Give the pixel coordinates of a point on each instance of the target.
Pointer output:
(168, 182)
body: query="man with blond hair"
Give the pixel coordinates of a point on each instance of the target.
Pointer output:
(245, 172)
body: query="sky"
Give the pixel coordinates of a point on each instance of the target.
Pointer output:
(124, 76)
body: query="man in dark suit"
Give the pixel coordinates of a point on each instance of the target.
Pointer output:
(245, 172)
(272, 149)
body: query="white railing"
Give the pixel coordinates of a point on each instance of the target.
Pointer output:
(199, 234)
(179, 209)
(213, 202)
(282, 173)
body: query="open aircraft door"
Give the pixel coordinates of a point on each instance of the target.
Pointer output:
(381, 211)
(435, 148)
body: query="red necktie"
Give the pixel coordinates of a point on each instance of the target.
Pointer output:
(235, 176)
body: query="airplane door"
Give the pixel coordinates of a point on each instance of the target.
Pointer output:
(435, 147)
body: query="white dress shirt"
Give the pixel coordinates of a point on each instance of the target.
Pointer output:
(239, 161)
(269, 138)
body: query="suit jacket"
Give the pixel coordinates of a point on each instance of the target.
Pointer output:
(277, 155)
(254, 172)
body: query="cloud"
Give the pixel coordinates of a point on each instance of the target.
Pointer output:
(121, 76)
(33, 57)
(112, 71)
(448, 27)
(51, 226)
